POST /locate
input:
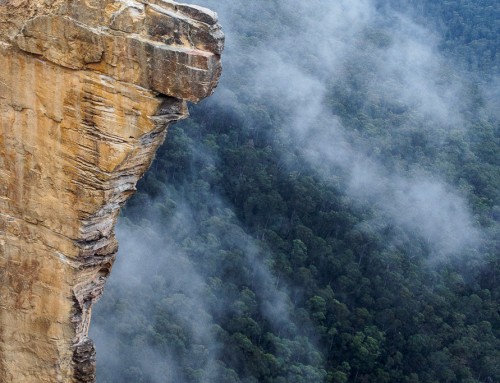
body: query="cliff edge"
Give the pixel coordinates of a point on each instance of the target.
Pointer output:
(87, 90)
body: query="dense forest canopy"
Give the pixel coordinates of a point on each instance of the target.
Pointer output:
(330, 214)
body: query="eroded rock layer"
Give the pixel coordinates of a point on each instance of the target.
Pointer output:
(87, 90)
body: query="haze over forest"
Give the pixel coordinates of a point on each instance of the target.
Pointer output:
(330, 214)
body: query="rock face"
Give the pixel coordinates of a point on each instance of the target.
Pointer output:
(87, 90)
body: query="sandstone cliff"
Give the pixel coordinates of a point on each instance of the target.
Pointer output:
(87, 89)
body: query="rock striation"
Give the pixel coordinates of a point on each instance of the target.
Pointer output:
(87, 90)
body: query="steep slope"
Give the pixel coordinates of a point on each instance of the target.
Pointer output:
(87, 90)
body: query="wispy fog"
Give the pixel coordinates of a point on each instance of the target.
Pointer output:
(314, 46)
(154, 279)
(136, 280)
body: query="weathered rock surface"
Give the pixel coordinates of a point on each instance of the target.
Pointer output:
(87, 90)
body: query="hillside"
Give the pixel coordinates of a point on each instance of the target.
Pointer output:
(331, 214)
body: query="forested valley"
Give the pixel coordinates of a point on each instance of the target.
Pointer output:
(330, 214)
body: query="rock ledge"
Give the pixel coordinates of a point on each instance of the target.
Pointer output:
(87, 90)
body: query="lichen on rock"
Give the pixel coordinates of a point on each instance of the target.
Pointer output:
(87, 90)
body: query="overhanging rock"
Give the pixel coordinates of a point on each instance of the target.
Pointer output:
(87, 90)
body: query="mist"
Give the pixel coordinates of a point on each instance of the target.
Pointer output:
(179, 289)
(311, 48)
(159, 273)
